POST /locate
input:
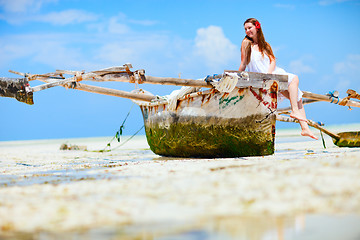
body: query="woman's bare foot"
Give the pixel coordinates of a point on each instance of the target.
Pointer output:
(298, 116)
(308, 133)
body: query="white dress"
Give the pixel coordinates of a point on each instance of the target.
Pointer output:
(260, 63)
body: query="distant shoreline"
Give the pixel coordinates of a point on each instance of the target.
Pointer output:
(279, 131)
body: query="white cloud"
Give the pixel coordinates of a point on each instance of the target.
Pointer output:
(117, 27)
(343, 85)
(285, 6)
(88, 49)
(13, 50)
(155, 51)
(52, 50)
(330, 2)
(214, 48)
(300, 66)
(351, 65)
(344, 75)
(122, 20)
(114, 43)
(116, 53)
(21, 11)
(120, 24)
(70, 16)
(22, 6)
(347, 73)
(143, 22)
(57, 54)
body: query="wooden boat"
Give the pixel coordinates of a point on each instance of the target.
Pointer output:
(228, 115)
(214, 124)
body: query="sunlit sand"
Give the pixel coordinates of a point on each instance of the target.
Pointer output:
(133, 192)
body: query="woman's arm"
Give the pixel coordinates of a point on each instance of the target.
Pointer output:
(243, 64)
(272, 64)
(271, 56)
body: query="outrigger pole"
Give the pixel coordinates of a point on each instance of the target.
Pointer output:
(123, 74)
(22, 91)
(341, 139)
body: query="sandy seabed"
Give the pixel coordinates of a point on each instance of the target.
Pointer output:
(303, 191)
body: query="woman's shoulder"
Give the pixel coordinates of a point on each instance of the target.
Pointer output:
(246, 42)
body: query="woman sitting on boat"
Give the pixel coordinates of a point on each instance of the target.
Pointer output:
(257, 56)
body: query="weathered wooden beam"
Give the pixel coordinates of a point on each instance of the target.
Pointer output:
(124, 77)
(326, 98)
(288, 109)
(262, 76)
(110, 70)
(78, 77)
(254, 79)
(176, 81)
(17, 88)
(31, 77)
(69, 72)
(123, 74)
(310, 122)
(114, 92)
(52, 84)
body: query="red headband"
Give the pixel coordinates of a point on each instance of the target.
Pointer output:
(257, 25)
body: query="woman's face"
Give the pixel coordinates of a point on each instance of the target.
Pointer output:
(250, 29)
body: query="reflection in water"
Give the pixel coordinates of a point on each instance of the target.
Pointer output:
(309, 227)
(257, 228)
(267, 227)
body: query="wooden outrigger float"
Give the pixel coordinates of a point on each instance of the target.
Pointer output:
(226, 115)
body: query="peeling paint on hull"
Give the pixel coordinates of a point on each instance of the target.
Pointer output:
(214, 124)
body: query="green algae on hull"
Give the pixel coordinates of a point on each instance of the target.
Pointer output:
(196, 139)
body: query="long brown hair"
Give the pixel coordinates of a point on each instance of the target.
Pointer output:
(264, 47)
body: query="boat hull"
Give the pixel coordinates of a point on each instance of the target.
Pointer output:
(213, 124)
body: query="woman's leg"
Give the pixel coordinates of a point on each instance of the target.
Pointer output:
(297, 108)
(293, 97)
(305, 130)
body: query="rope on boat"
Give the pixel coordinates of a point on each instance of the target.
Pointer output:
(177, 94)
(123, 142)
(119, 134)
(322, 138)
(210, 78)
(333, 95)
(321, 133)
(227, 83)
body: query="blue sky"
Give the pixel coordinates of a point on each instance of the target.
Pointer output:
(318, 40)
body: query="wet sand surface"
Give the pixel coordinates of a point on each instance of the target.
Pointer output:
(303, 191)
